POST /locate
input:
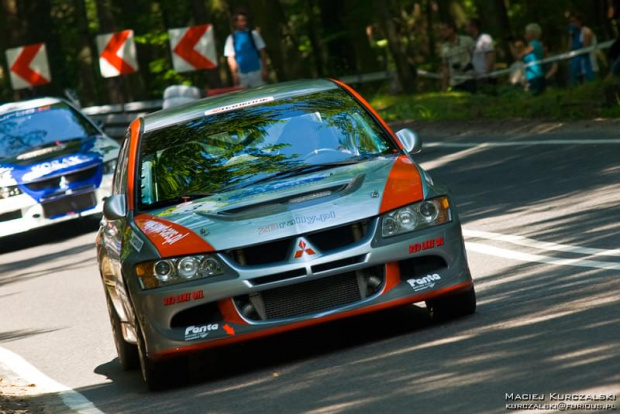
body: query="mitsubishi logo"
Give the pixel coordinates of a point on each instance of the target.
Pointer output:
(304, 248)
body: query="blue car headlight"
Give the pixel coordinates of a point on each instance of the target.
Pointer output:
(416, 216)
(9, 191)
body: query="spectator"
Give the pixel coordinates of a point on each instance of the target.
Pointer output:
(483, 57)
(614, 52)
(582, 67)
(245, 52)
(530, 56)
(456, 53)
(517, 68)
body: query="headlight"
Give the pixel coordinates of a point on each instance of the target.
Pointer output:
(157, 273)
(417, 216)
(9, 191)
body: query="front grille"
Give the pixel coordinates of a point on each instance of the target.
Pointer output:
(11, 215)
(311, 297)
(279, 250)
(54, 182)
(74, 203)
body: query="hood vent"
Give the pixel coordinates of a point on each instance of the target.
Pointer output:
(289, 202)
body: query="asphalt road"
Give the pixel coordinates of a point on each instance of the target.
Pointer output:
(548, 319)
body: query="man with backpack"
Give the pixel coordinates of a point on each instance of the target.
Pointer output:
(245, 53)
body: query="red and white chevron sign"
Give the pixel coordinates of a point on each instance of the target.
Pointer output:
(193, 48)
(28, 66)
(117, 54)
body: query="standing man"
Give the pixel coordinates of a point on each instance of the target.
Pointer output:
(456, 53)
(583, 67)
(483, 57)
(245, 53)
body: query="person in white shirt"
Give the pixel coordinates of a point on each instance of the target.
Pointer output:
(483, 56)
(245, 53)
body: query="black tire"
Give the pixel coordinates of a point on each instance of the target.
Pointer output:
(127, 353)
(453, 306)
(159, 375)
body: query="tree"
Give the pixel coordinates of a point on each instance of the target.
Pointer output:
(405, 75)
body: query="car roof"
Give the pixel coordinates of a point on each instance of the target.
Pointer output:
(197, 109)
(29, 104)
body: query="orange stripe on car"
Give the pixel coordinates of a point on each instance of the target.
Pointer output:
(171, 239)
(134, 138)
(363, 101)
(403, 186)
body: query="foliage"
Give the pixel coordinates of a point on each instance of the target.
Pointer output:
(583, 102)
(305, 38)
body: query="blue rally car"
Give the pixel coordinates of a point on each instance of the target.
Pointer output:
(55, 164)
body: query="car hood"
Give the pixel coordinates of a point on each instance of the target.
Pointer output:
(66, 157)
(285, 207)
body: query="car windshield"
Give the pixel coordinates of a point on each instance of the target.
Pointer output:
(228, 149)
(24, 130)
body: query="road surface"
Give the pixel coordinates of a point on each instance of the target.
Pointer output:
(541, 217)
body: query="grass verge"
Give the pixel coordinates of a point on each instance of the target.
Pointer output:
(589, 101)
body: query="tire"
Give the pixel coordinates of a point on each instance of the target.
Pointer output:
(127, 353)
(160, 375)
(453, 306)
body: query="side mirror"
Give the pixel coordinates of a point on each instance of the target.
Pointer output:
(114, 207)
(410, 140)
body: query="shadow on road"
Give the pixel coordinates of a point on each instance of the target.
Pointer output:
(538, 329)
(50, 234)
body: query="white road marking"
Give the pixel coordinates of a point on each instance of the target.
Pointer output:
(524, 241)
(523, 143)
(23, 369)
(528, 257)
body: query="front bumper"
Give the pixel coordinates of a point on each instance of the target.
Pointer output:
(413, 268)
(22, 213)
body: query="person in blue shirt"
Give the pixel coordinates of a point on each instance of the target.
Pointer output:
(533, 52)
(245, 53)
(584, 66)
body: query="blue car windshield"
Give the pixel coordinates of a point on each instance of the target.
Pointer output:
(229, 149)
(23, 130)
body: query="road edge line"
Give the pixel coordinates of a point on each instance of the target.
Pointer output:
(26, 371)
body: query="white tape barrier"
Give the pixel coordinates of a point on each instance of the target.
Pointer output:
(555, 58)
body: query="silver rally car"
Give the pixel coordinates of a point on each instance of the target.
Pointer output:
(261, 211)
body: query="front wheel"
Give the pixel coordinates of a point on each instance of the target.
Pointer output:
(158, 375)
(453, 306)
(127, 353)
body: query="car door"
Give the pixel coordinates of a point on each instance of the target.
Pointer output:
(112, 235)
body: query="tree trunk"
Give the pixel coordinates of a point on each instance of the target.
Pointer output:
(281, 41)
(87, 58)
(13, 33)
(114, 86)
(405, 75)
(315, 41)
(340, 49)
(201, 16)
(495, 21)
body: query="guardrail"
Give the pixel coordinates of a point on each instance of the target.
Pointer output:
(116, 118)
